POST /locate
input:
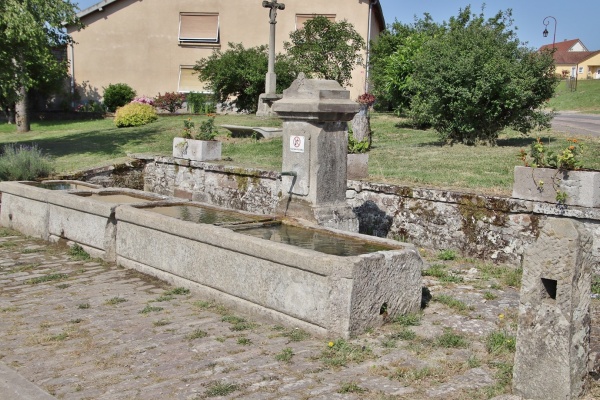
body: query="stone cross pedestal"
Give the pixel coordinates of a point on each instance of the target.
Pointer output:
(265, 100)
(315, 114)
(553, 337)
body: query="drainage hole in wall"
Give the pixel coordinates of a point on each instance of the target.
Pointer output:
(550, 286)
(383, 309)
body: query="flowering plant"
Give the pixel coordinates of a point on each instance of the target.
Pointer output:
(143, 100)
(366, 98)
(541, 157)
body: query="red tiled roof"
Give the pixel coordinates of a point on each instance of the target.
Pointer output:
(563, 46)
(573, 57)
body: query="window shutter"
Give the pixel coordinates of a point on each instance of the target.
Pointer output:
(302, 18)
(199, 28)
(188, 81)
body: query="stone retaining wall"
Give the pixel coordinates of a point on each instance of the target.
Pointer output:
(492, 228)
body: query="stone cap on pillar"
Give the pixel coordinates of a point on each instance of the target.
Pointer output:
(316, 99)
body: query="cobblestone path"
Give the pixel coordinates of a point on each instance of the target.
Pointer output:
(85, 329)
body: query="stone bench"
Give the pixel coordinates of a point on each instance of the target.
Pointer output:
(248, 131)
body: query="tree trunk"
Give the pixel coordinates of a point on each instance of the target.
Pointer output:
(361, 125)
(22, 112)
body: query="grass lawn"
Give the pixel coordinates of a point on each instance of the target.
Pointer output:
(585, 99)
(399, 155)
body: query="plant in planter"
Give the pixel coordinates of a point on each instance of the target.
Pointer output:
(556, 177)
(361, 123)
(197, 144)
(358, 157)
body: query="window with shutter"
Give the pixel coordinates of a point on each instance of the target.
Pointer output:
(188, 80)
(198, 28)
(302, 18)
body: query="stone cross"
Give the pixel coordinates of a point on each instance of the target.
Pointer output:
(271, 77)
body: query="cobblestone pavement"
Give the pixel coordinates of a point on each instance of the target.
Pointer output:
(85, 329)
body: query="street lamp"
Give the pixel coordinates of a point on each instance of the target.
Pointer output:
(545, 33)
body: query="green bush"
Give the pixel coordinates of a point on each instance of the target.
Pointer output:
(24, 163)
(200, 103)
(135, 114)
(117, 95)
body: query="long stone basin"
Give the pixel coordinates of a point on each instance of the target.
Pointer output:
(82, 217)
(326, 294)
(323, 293)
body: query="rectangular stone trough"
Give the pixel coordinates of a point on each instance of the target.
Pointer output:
(322, 293)
(82, 217)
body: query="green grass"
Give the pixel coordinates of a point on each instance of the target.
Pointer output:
(115, 300)
(47, 278)
(439, 271)
(500, 342)
(340, 352)
(285, 355)
(585, 99)
(77, 252)
(148, 309)
(220, 389)
(237, 323)
(80, 145)
(453, 303)
(197, 334)
(351, 387)
(504, 275)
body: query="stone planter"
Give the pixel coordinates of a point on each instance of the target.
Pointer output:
(358, 166)
(196, 150)
(582, 188)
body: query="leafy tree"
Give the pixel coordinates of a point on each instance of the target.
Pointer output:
(476, 80)
(238, 74)
(326, 50)
(30, 30)
(392, 60)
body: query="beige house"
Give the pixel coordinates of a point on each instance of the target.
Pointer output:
(152, 45)
(573, 59)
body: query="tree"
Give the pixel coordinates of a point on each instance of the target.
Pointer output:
(238, 74)
(326, 50)
(476, 80)
(392, 61)
(30, 30)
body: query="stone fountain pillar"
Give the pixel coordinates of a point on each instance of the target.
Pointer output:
(315, 115)
(553, 337)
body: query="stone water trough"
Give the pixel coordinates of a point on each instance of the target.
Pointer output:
(61, 210)
(324, 280)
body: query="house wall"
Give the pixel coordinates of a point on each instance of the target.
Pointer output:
(136, 42)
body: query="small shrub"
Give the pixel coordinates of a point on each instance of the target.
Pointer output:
(169, 101)
(143, 100)
(24, 163)
(135, 114)
(117, 95)
(200, 103)
(244, 341)
(207, 130)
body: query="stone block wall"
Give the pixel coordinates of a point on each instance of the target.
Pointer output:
(491, 228)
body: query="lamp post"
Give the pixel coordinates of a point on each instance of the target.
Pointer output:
(545, 33)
